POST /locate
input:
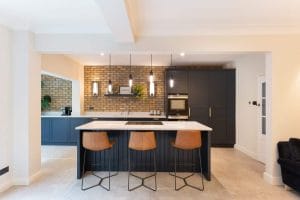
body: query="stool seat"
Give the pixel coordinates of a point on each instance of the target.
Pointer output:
(96, 141)
(187, 140)
(142, 141)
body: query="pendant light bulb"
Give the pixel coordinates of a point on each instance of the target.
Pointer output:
(151, 77)
(130, 81)
(109, 86)
(171, 82)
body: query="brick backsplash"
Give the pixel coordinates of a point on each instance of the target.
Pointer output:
(59, 90)
(119, 77)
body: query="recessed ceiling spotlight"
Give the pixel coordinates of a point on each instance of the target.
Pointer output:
(101, 54)
(182, 54)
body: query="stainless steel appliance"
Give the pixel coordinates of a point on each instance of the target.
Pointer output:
(178, 107)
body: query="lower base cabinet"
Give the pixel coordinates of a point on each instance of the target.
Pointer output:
(61, 131)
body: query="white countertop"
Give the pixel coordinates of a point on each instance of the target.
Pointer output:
(167, 126)
(105, 115)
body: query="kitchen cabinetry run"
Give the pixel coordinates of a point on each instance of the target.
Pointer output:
(212, 101)
(60, 131)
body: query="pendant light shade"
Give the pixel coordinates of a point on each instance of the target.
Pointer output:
(151, 76)
(130, 80)
(171, 80)
(109, 88)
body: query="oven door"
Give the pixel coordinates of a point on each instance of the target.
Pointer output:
(178, 107)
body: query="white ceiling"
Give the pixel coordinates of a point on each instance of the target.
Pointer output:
(153, 17)
(53, 16)
(157, 59)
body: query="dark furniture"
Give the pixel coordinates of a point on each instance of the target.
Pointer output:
(143, 142)
(289, 160)
(163, 151)
(97, 142)
(187, 141)
(211, 99)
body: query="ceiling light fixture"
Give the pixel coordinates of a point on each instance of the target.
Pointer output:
(171, 81)
(182, 54)
(102, 54)
(130, 75)
(109, 81)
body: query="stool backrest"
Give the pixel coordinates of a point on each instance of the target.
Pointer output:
(95, 141)
(142, 141)
(188, 139)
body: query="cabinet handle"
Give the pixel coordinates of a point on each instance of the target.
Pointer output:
(209, 112)
(189, 111)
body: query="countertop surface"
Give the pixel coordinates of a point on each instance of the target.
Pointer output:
(105, 115)
(166, 125)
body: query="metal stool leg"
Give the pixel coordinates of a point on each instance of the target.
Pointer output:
(185, 178)
(141, 178)
(101, 178)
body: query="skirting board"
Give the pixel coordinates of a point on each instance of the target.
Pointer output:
(273, 180)
(245, 151)
(25, 180)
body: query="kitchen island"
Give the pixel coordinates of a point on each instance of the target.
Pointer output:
(165, 132)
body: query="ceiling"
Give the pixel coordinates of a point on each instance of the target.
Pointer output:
(157, 59)
(137, 18)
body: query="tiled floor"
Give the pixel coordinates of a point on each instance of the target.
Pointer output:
(236, 176)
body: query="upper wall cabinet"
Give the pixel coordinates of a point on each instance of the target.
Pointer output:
(180, 78)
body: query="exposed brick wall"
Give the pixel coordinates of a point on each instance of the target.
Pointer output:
(119, 76)
(59, 90)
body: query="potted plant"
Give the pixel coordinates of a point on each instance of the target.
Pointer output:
(45, 102)
(138, 90)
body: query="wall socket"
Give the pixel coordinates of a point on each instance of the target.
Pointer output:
(4, 170)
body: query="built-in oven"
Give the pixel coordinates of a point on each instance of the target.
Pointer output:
(178, 108)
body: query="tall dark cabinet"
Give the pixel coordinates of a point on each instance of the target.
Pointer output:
(212, 101)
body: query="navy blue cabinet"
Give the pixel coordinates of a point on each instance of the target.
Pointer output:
(46, 130)
(60, 130)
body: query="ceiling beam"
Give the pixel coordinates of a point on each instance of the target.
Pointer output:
(118, 16)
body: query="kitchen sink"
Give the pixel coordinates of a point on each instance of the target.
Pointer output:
(144, 123)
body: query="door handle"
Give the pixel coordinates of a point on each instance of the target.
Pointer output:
(189, 111)
(209, 112)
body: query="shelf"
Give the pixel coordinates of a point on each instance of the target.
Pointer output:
(119, 95)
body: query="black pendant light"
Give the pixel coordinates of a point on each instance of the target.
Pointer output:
(151, 77)
(171, 80)
(109, 81)
(130, 75)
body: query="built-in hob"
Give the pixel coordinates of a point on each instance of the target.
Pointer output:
(144, 123)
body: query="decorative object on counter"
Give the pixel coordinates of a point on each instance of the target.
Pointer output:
(138, 90)
(45, 102)
(109, 89)
(66, 111)
(151, 84)
(130, 75)
(171, 80)
(125, 90)
(95, 88)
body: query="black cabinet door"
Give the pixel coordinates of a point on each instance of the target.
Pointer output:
(180, 81)
(198, 96)
(46, 130)
(60, 130)
(74, 122)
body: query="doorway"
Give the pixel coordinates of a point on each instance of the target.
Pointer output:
(261, 133)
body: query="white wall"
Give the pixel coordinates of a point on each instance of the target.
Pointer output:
(26, 65)
(248, 69)
(5, 107)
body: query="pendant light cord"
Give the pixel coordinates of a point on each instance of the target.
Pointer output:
(109, 66)
(151, 62)
(130, 63)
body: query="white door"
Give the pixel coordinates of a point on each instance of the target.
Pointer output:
(261, 135)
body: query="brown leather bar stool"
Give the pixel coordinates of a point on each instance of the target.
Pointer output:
(142, 141)
(187, 140)
(96, 141)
